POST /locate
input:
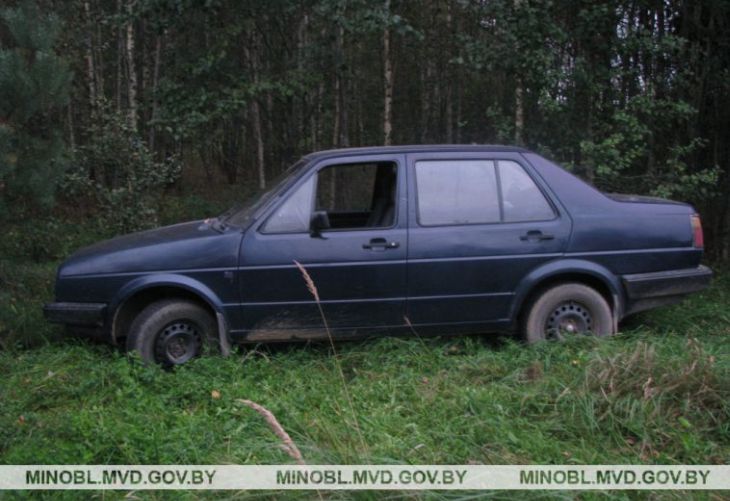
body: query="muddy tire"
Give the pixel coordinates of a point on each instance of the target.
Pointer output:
(171, 332)
(567, 309)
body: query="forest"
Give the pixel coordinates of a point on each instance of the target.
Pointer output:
(110, 107)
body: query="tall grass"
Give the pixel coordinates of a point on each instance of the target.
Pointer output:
(656, 393)
(312, 287)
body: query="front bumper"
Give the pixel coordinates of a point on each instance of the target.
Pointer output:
(648, 290)
(76, 314)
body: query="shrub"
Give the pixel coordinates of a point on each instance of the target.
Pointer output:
(117, 170)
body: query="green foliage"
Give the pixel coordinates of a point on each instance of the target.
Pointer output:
(116, 167)
(624, 146)
(633, 95)
(24, 286)
(34, 86)
(621, 145)
(678, 180)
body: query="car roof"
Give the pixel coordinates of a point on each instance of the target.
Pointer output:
(414, 148)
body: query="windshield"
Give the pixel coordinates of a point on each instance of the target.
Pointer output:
(241, 213)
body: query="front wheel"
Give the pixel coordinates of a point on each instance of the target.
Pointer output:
(171, 332)
(566, 309)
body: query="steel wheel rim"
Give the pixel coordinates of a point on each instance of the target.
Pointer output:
(568, 318)
(178, 342)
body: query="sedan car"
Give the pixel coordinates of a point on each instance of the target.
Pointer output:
(400, 240)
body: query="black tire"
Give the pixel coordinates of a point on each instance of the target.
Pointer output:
(570, 308)
(171, 332)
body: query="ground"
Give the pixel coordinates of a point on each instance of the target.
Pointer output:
(656, 393)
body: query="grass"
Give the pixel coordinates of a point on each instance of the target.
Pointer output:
(659, 392)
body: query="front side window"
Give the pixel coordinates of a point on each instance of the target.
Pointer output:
(353, 196)
(457, 192)
(356, 196)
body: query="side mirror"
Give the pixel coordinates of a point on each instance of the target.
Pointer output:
(320, 221)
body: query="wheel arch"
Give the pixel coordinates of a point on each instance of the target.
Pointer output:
(138, 294)
(588, 273)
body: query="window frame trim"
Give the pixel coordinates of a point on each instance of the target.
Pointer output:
(334, 162)
(289, 194)
(551, 204)
(495, 159)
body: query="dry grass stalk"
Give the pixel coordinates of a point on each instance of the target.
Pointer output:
(287, 443)
(312, 287)
(413, 330)
(308, 280)
(687, 381)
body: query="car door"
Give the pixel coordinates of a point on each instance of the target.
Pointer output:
(479, 223)
(357, 265)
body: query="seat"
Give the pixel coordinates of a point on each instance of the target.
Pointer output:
(382, 210)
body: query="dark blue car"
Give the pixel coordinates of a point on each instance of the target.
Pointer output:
(431, 239)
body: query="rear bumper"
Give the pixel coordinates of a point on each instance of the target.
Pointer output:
(648, 290)
(76, 314)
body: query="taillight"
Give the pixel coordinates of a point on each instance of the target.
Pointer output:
(697, 238)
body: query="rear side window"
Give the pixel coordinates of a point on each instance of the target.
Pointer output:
(457, 192)
(522, 200)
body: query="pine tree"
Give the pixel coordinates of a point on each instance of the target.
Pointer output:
(34, 86)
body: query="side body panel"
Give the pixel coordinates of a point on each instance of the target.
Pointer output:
(456, 278)
(468, 274)
(358, 287)
(619, 236)
(190, 256)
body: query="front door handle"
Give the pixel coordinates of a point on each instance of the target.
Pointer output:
(380, 244)
(536, 235)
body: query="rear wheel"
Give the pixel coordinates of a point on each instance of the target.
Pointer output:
(567, 309)
(171, 332)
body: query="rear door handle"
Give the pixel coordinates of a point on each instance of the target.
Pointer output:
(380, 244)
(536, 235)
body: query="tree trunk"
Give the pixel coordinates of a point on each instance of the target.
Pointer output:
(252, 59)
(120, 52)
(99, 63)
(449, 118)
(304, 101)
(132, 72)
(144, 70)
(519, 112)
(336, 124)
(425, 99)
(459, 93)
(449, 113)
(317, 117)
(388, 81)
(345, 90)
(339, 132)
(90, 71)
(155, 82)
(258, 137)
(70, 119)
(359, 124)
